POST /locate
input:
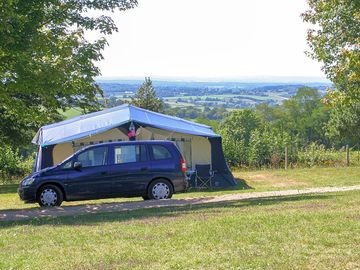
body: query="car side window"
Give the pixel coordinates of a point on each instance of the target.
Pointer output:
(160, 152)
(93, 157)
(129, 153)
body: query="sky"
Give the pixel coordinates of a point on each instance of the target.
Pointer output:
(209, 40)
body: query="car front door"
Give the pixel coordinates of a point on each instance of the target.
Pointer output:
(130, 169)
(92, 179)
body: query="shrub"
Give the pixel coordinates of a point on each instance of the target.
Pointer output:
(317, 155)
(12, 164)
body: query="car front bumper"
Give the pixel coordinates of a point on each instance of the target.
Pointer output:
(27, 194)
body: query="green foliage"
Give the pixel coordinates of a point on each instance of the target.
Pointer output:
(146, 97)
(239, 125)
(318, 155)
(258, 138)
(46, 62)
(211, 123)
(343, 126)
(12, 164)
(9, 162)
(236, 131)
(303, 116)
(26, 164)
(235, 151)
(266, 147)
(258, 149)
(112, 101)
(334, 41)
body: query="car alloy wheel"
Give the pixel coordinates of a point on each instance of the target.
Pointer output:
(48, 197)
(160, 191)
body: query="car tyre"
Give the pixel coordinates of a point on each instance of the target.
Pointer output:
(145, 197)
(50, 196)
(160, 189)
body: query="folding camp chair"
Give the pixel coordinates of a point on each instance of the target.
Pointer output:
(203, 176)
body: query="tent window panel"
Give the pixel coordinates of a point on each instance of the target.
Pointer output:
(126, 154)
(160, 152)
(79, 146)
(130, 153)
(185, 149)
(93, 157)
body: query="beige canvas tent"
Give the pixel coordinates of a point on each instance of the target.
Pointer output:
(195, 149)
(197, 143)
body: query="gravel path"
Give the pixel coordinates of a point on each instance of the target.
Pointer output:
(14, 215)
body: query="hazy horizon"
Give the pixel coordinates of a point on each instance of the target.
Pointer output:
(249, 79)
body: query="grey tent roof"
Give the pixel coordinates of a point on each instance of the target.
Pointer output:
(97, 122)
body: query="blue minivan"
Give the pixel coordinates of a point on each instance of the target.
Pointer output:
(151, 169)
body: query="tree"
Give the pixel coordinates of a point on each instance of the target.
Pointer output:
(266, 146)
(344, 124)
(257, 152)
(303, 116)
(46, 64)
(146, 97)
(306, 116)
(236, 131)
(335, 42)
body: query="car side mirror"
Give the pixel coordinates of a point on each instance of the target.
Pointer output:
(77, 165)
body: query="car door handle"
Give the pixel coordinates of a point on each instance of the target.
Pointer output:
(103, 173)
(144, 168)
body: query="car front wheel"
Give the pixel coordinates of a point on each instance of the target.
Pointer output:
(50, 195)
(160, 189)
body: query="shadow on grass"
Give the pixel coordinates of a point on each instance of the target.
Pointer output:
(12, 188)
(89, 219)
(8, 188)
(241, 185)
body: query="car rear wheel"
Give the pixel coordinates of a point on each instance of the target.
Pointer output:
(50, 195)
(160, 189)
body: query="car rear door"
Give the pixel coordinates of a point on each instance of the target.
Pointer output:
(163, 161)
(129, 170)
(92, 180)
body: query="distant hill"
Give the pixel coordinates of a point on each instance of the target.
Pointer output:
(175, 88)
(227, 94)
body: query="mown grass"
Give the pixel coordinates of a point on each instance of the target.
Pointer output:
(248, 181)
(302, 232)
(302, 178)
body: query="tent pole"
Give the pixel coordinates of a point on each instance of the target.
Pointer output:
(39, 162)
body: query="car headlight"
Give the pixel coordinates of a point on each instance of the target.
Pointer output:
(28, 182)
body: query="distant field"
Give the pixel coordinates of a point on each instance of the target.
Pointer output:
(229, 101)
(229, 94)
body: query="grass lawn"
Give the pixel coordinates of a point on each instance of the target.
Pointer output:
(71, 113)
(302, 232)
(249, 181)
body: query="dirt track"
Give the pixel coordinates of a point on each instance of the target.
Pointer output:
(14, 215)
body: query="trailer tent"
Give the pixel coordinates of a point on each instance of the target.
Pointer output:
(198, 143)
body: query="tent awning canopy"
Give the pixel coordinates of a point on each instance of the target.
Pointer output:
(97, 122)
